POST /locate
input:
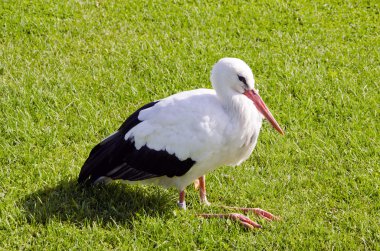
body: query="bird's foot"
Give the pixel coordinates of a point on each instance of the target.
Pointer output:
(258, 211)
(181, 205)
(242, 219)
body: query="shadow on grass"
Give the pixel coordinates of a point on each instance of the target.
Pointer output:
(114, 203)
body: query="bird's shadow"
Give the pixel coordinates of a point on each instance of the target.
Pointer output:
(107, 204)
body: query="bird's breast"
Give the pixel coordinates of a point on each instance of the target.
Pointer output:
(243, 132)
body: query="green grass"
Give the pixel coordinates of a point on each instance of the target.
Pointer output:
(72, 71)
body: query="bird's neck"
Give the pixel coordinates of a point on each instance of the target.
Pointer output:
(245, 118)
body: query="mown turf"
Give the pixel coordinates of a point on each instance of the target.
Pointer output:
(72, 71)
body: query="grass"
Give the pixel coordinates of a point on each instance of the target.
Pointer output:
(72, 71)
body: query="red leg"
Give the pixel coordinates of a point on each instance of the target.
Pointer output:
(242, 219)
(181, 202)
(202, 190)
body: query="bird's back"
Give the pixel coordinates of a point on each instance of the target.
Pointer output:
(184, 124)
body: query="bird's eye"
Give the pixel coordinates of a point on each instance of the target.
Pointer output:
(242, 79)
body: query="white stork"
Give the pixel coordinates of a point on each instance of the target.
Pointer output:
(176, 140)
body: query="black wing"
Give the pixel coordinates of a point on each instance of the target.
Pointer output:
(118, 158)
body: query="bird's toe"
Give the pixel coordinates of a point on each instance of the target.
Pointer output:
(258, 211)
(242, 219)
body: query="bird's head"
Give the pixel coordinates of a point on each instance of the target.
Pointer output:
(232, 76)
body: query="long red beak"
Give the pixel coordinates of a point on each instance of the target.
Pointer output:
(263, 109)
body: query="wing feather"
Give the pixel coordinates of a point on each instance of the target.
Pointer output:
(117, 158)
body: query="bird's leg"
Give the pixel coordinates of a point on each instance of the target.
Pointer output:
(258, 211)
(181, 202)
(202, 190)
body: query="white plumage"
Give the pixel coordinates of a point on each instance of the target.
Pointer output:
(179, 139)
(196, 125)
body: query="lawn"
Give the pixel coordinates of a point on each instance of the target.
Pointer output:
(72, 71)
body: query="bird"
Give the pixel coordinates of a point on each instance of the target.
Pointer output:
(179, 139)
